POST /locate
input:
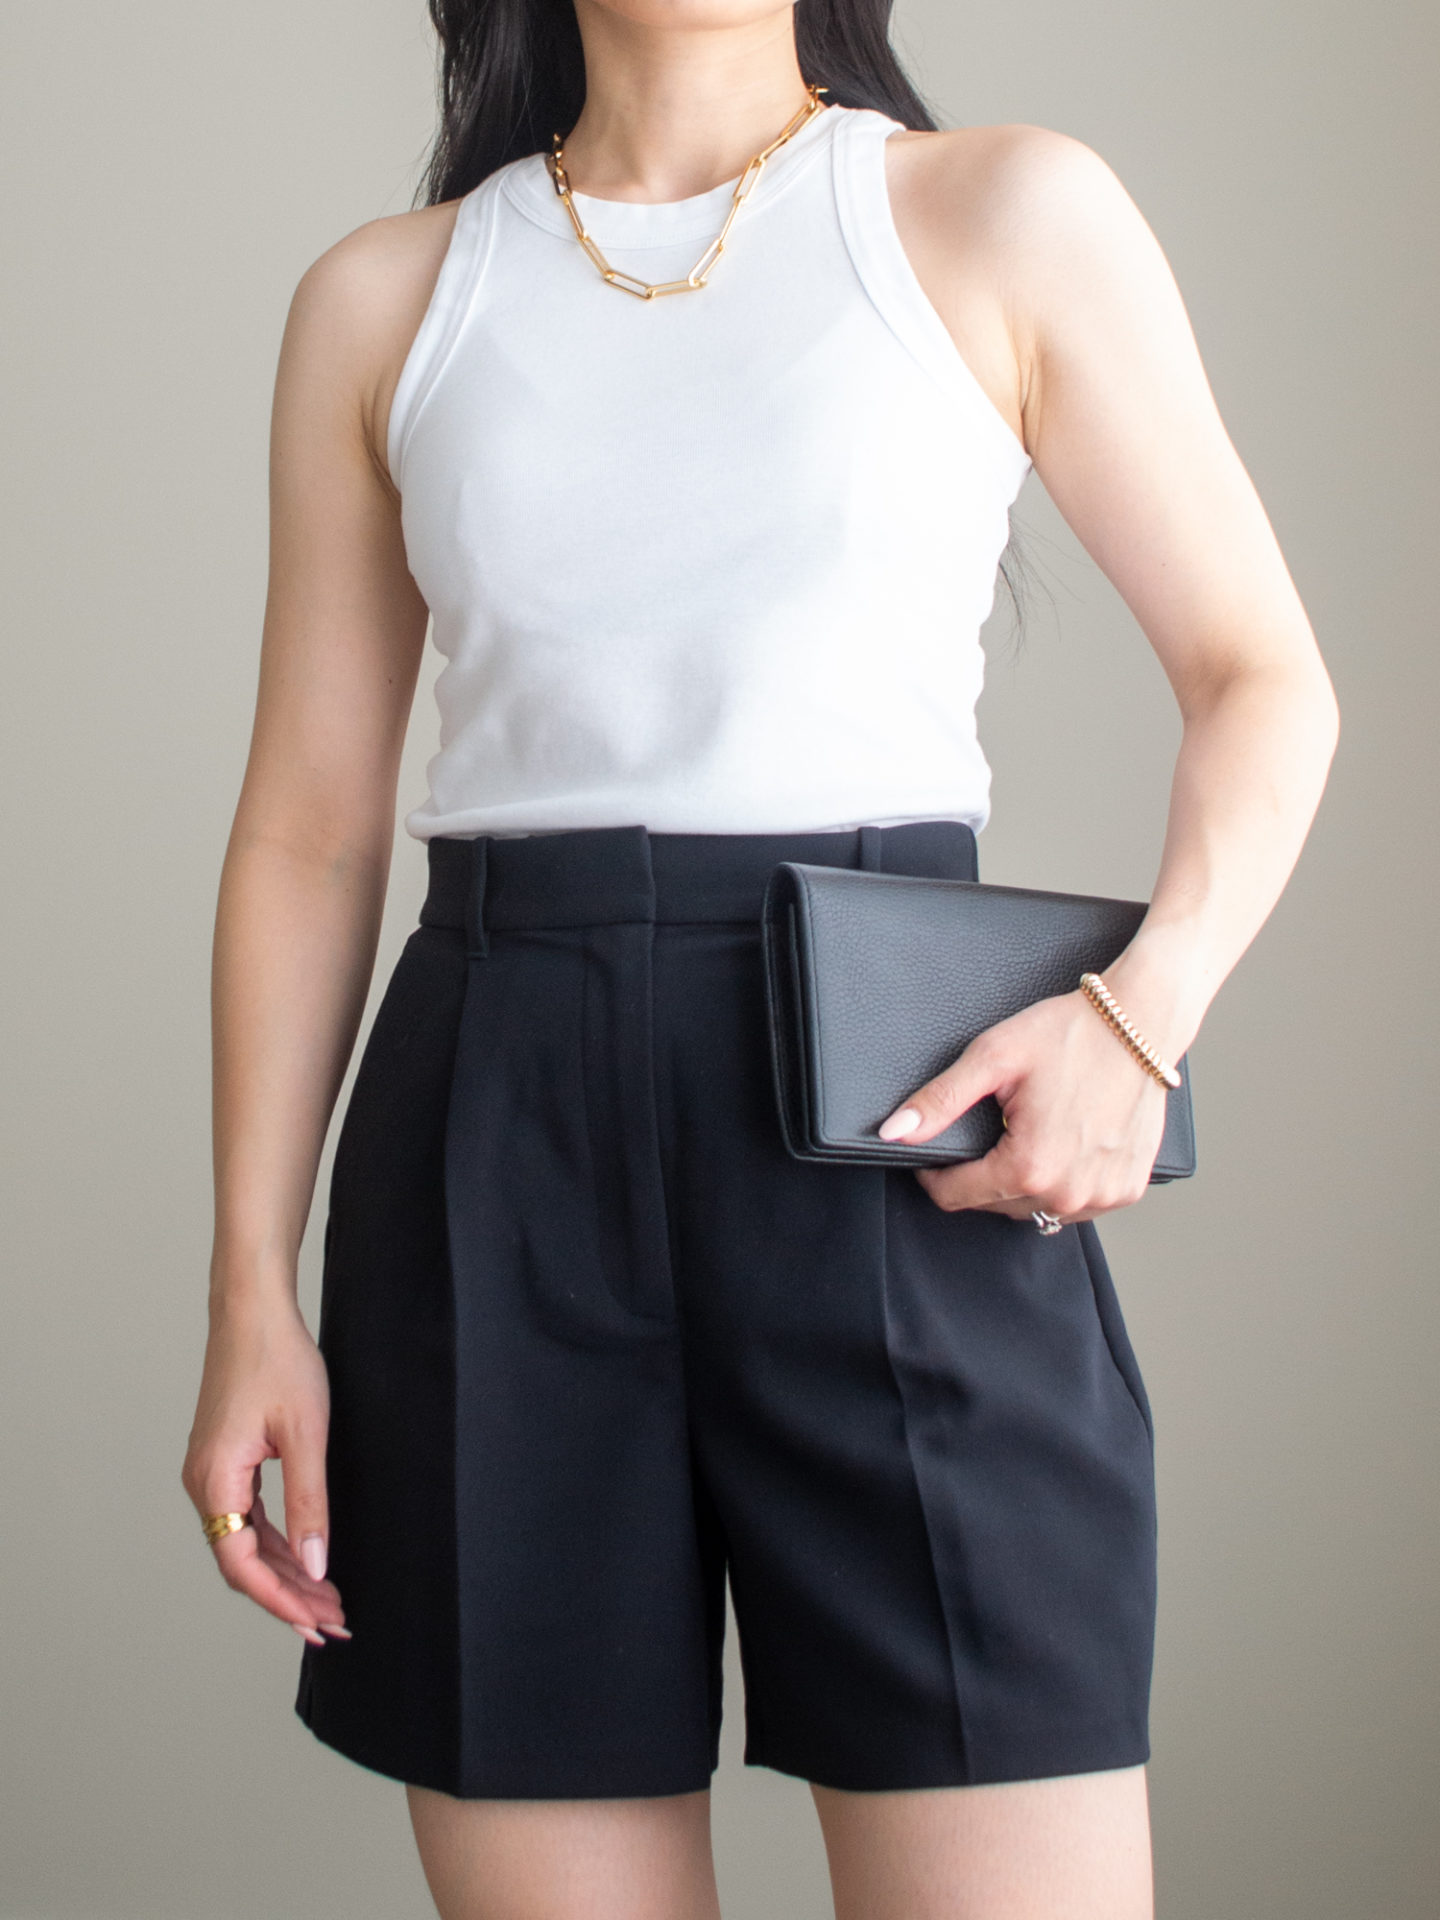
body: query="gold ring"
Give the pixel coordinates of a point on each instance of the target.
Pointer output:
(217, 1525)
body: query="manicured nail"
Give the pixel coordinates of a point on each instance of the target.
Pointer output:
(309, 1633)
(312, 1555)
(331, 1626)
(904, 1120)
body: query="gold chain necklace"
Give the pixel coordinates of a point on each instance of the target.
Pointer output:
(644, 289)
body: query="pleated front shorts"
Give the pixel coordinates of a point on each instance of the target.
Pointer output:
(596, 1342)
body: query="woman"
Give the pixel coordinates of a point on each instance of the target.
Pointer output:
(709, 566)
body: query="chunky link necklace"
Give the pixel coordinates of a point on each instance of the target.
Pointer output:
(645, 289)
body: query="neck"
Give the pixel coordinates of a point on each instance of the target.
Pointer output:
(671, 111)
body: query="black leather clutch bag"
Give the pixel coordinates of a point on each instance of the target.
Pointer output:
(875, 982)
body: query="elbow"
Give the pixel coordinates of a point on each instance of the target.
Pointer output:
(1308, 700)
(1326, 708)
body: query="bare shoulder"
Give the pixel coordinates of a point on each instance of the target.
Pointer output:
(1014, 189)
(357, 308)
(999, 223)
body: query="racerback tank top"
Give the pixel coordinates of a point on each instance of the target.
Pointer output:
(710, 563)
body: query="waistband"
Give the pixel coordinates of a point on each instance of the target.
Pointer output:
(598, 876)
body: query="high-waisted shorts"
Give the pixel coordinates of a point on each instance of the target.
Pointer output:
(596, 1341)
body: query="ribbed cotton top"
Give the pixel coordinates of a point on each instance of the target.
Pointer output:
(710, 563)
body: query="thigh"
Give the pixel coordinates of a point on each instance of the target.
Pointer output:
(646, 1859)
(1076, 1847)
(537, 1608)
(923, 1432)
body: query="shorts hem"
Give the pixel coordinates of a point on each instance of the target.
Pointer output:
(1067, 1751)
(500, 1783)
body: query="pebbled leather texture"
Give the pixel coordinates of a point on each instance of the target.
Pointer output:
(875, 982)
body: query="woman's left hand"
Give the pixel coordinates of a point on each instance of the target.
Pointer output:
(1083, 1118)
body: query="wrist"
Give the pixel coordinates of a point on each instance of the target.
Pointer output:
(1163, 988)
(251, 1284)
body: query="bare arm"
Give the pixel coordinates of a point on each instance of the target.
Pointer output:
(1123, 430)
(301, 893)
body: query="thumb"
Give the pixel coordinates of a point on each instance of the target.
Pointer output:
(307, 1508)
(936, 1105)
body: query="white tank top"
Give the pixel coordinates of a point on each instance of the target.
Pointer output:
(711, 563)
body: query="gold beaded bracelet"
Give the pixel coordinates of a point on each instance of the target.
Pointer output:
(1104, 1003)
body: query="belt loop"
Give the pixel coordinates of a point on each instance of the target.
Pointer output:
(872, 857)
(477, 943)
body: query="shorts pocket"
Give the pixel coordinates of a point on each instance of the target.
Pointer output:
(403, 1056)
(1112, 1321)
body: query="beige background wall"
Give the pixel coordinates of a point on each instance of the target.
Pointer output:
(170, 171)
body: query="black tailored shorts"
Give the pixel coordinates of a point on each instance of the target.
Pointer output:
(596, 1342)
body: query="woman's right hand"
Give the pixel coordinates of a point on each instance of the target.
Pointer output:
(264, 1395)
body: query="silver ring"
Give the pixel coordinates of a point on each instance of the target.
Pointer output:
(1047, 1222)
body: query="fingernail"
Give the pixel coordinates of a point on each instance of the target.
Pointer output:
(312, 1555)
(341, 1633)
(309, 1633)
(903, 1120)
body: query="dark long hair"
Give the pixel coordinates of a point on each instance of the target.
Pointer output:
(512, 74)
